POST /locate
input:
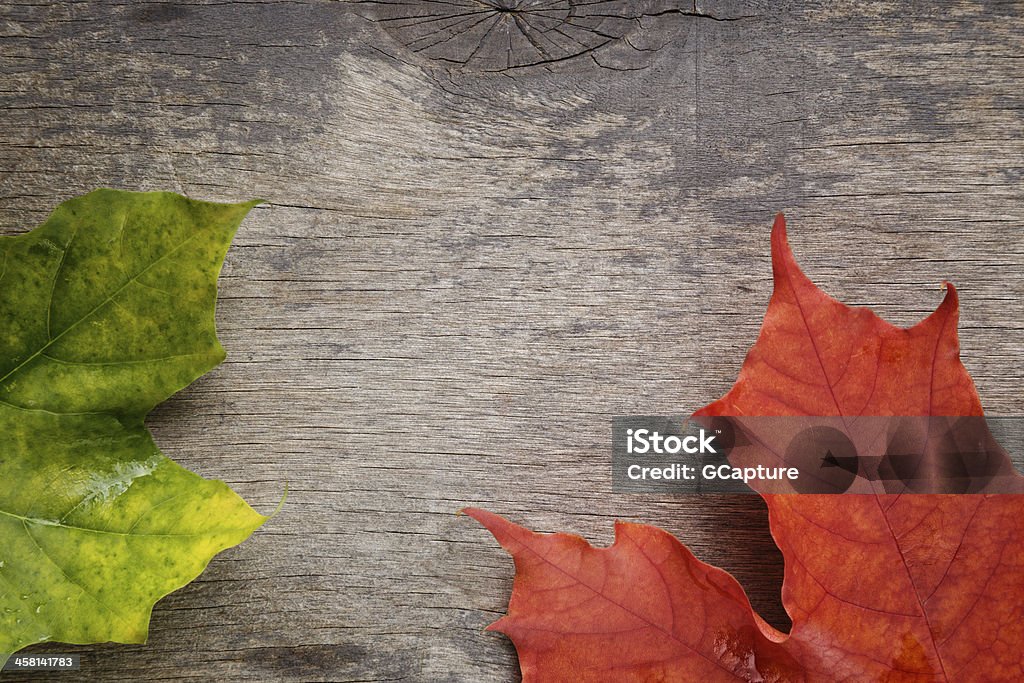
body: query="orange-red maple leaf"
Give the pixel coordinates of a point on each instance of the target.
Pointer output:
(897, 588)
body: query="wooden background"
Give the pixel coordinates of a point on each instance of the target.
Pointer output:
(487, 232)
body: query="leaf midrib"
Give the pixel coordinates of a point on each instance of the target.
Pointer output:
(40, 522)
(881, 511)
(50, 342)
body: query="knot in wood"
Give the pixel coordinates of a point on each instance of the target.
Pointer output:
(498, 35)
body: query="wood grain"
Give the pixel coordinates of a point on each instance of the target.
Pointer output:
(475, 253)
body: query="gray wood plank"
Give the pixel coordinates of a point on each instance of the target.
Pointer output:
(475, 253)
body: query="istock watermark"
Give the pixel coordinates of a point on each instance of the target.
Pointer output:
(780, 455)
(641, 441)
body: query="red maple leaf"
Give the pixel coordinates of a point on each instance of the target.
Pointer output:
(880, 587)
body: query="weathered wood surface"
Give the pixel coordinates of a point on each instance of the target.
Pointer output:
(480, 243)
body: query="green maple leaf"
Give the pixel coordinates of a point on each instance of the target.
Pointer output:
(105, 311)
